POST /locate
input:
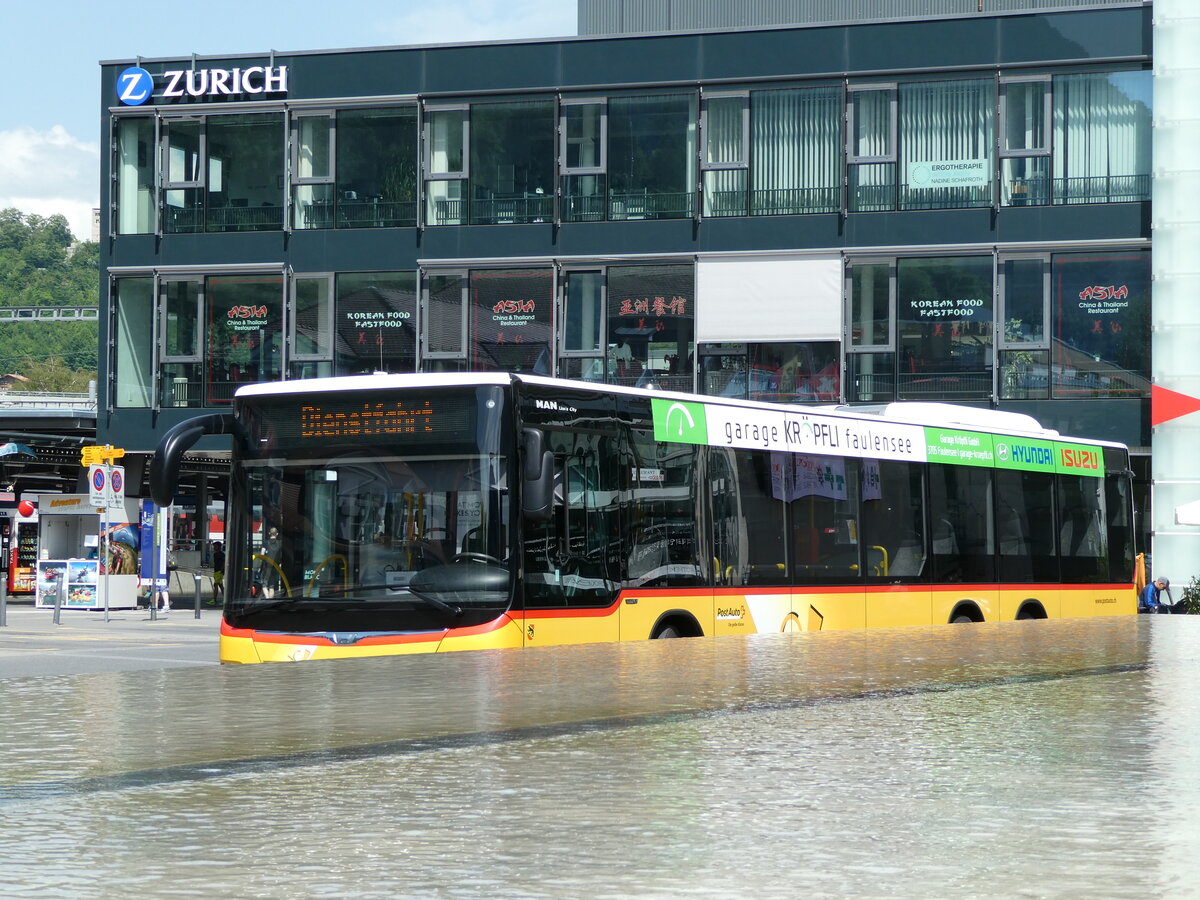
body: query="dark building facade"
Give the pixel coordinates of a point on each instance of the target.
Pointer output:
(944, 210)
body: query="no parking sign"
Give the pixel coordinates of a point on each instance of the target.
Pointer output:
(106, 485)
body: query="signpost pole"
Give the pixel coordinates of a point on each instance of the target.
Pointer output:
(104, 544)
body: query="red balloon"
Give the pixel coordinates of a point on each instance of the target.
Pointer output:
(25, 508)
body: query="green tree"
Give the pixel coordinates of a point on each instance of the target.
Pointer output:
(42, 266)
(53, 376)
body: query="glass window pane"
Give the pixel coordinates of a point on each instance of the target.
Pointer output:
(444, 315)
(797, 159)
(725, 192)
(512, 162)
(1026, 536)
(725, 137)
(946, 144)
(893, 532)
(1025, 181)
(870, 377)
(447, 129)
(181, 381)
(377, 167)
(723, 370)
(822, 494)
(245, 173)
(872, 187)
(583, 198)
(870, 305)
(1025, 115)
(584, 311)
(376, 322)
(1024, 301)
(960, 510)
(133, 350)
(1081, 529)
(245, 325)
(761, 488)
(310, 312)
(1024, 374)
(1101, 329)
(651, 156)
(871, 112)
(944, 324)
(183, 152)
(314, 147)
(583, 132)
(313, 206)
(512, 320)
(803, 372)
(135, 176)
(651, 326)
(181, 337)
(1102, 128)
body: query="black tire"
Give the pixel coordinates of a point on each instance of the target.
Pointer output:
(960, 619)
(669, 632)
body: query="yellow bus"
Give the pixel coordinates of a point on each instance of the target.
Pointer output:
(432, 512)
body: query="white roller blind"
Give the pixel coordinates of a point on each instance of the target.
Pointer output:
(769, 298)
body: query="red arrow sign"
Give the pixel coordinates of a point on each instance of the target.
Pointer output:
(1166, 405)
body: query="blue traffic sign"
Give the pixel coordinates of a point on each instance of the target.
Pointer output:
(135, 86)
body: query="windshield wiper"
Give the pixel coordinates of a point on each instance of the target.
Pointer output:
(436, 603)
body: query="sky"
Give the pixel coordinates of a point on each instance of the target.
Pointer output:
(50, 50)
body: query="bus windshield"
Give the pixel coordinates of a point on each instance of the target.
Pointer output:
(372, 514)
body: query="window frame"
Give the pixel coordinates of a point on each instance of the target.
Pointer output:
(893, 270)
(197, 355)
(892, 89)
(464, 274)
(1001, 312)
(1047, 117)
(564, 137)
(744, 162)
(428, 112)
(292, 355)
(165, 181)
(562, 277)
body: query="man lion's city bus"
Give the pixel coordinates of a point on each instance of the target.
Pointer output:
(422, 513)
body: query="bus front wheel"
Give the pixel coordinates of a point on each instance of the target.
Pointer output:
(669, 632)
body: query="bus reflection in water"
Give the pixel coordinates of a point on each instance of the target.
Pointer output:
(467, 511)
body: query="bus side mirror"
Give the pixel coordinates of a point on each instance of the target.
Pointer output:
(164, 468)
(537, 493)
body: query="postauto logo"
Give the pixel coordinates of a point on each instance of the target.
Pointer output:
(135, 86)
(679, 422)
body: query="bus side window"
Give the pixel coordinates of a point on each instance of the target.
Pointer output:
(893, 519)
(823, 511)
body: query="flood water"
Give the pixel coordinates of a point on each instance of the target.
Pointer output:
(1025, 759)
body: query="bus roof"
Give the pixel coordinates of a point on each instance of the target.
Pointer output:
(911, 412)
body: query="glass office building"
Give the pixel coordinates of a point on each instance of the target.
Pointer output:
(941, 209)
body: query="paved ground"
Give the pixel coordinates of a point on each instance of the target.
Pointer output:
(32, 645)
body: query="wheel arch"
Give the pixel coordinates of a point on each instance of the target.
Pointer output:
(681, 619)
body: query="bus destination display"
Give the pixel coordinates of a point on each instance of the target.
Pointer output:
(414, 419)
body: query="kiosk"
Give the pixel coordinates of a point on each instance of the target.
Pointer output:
(72, 550)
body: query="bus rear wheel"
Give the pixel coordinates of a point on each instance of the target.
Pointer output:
(958, 620)
(669, 631)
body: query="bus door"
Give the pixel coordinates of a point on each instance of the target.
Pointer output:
(572, 563)
(896, 553)
(665, 583)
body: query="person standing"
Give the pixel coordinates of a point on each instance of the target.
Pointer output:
(1150, 600)
(218, 562)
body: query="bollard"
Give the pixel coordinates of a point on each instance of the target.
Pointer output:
(58, 598)
(197, 578)
(3, 599)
